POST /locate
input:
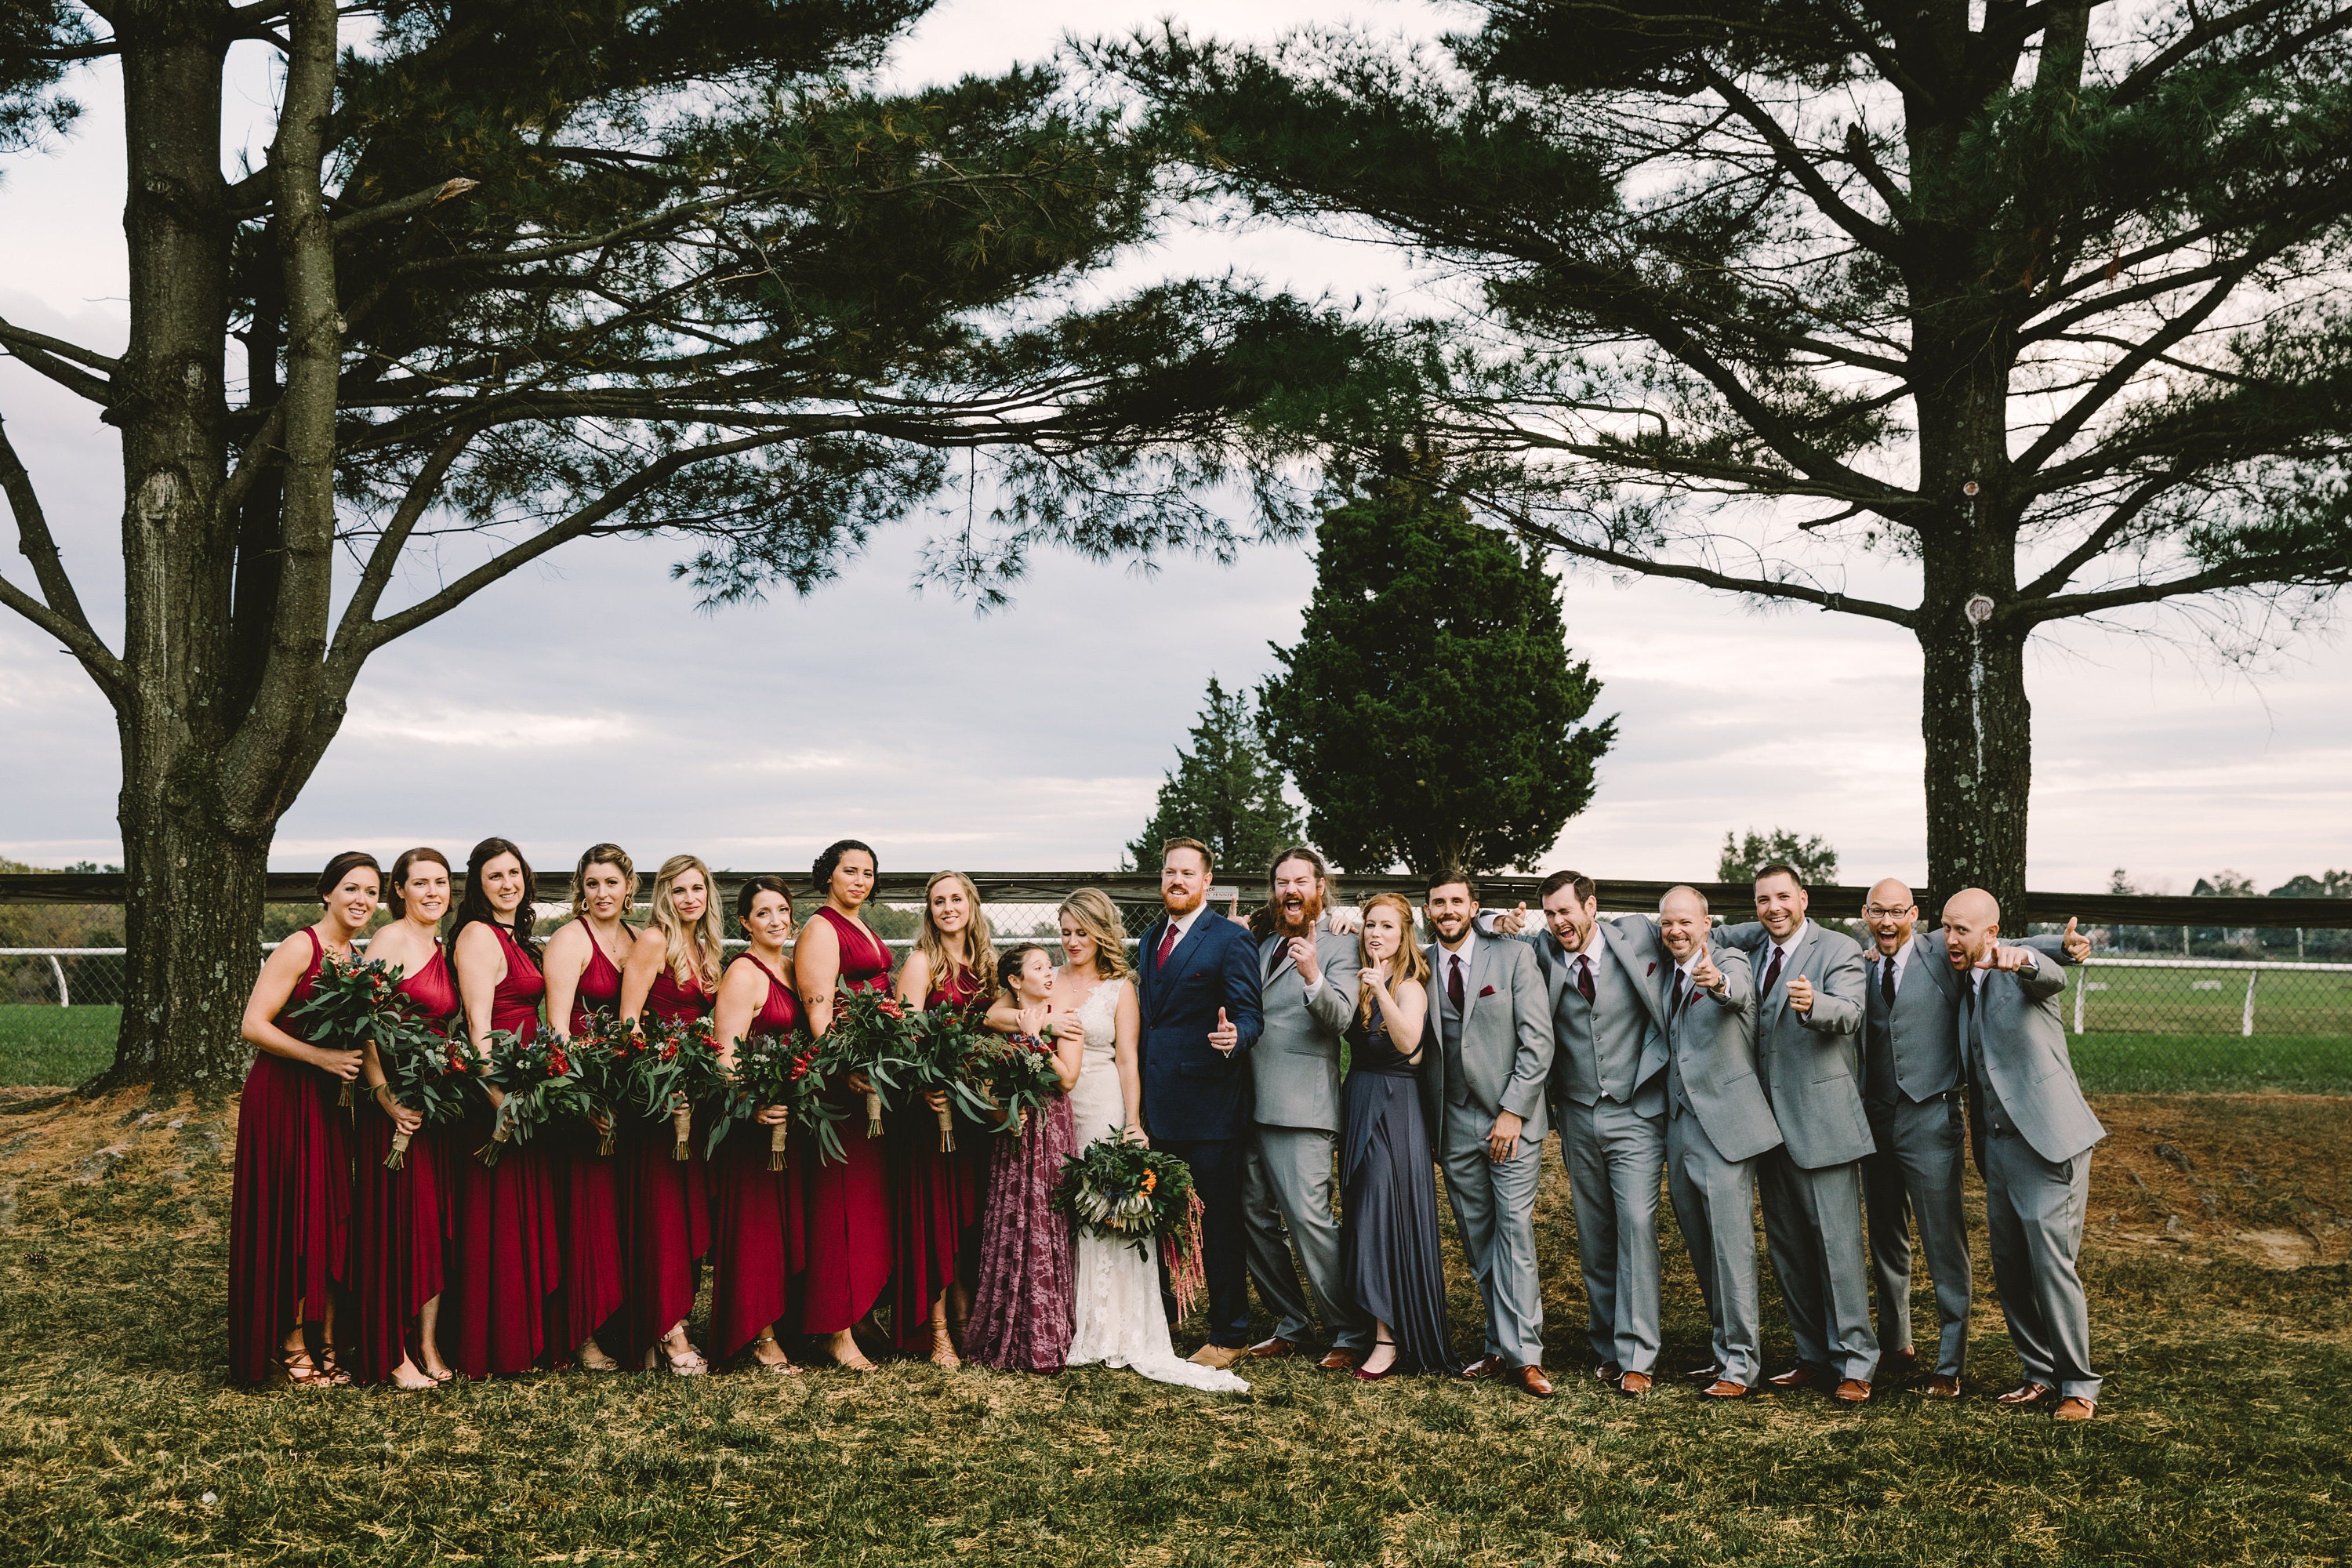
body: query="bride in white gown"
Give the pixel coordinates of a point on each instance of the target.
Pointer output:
(1121, 1322)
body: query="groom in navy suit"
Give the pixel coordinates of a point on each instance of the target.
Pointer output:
(1197, 985)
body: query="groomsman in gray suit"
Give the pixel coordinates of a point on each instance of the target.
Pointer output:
(1308, 980)
(1608, 1096)
(1487, 1057)
(1718, 1124)
(1808, 1058)
(2034, 1134)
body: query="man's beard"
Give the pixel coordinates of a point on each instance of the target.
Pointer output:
(1179, 911)
(1310, 915)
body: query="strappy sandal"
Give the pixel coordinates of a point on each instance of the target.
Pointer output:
(600, 1362)
(688, 1362)
(782, 1366)
(304, 1372)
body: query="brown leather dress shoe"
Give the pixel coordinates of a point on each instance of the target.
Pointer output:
(1270, 1347)
(1941, 1387)
(1483, 1367)
(1533, 1380)
(1721, 1389)
(1340, 1361)
(1636, 1384)
(1798, 1376)
(2028, 1393)
(1852, 1391)
(2073, 1409)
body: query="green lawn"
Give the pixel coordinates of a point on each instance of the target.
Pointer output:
(55, 1045)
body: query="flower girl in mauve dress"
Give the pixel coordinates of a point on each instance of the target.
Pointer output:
(1022, 1314)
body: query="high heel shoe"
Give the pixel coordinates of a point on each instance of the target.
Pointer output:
(782, 1366)
(1363, 1376)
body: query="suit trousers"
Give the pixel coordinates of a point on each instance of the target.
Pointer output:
(1615, 1157)
(1287, 1184)
(1812, 1228)
(1494, 1214)
(1216, 1164)
(2033, 1214)
(1922, 1152)
(1715, 1202)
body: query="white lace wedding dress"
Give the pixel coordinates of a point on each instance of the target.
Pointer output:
(1121, 1322)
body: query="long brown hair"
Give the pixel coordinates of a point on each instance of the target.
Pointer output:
(697, 952)
(1412, 963)
(979, 942)
(1095, 914)
(400, 874)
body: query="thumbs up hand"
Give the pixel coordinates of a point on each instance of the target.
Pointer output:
(1800, 995)
(2078, 946)
(1225, 1036)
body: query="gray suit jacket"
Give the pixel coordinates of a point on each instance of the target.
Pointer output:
(1295, 1068)
(1507, 1042)
(1913, 1052)
(1811, 1063)
(2025, 1056)
(1713, 1042)
(1633, 950)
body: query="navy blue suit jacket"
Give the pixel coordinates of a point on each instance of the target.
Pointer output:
(1193, 1091)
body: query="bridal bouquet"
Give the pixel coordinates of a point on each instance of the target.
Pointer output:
(869, 1036)
(780, 1069)
(942, 1042)
(1126, 1192)
(606, 1055)
(677, 1065)
(428, 1072)
(535, 1075)
(354, 1002)
(1006, 1077)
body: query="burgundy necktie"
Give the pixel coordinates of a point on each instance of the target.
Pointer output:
(1454, 979)
(1584, 977)
(1676, 1006)
(1167, 946)
(1772, 973)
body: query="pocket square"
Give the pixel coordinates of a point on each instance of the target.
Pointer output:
(1652, 969)
(1486, 991)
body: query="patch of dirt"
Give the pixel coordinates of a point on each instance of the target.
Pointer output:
(2262, 1177)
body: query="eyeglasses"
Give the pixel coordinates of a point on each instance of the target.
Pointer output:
(1880, 911)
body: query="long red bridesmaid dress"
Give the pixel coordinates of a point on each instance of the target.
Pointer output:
(665, 1203)
(504, 1260)
(758, 1243)
(934, 1201)
(849, 1204)
(587, 1194)
(397, 1225)
(291, 1198)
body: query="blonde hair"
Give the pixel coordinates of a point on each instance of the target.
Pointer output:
(1091, 911)
(611, 855)
(978, 942)
(1412, 963)
(697, 953)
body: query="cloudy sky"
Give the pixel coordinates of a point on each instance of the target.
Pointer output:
(589, 698)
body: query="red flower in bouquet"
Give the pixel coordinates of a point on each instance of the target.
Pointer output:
(677, 1067)
(534, 1075)
(869, 1038)
(780, 1069)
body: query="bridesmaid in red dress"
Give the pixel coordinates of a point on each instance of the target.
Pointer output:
(398, 1228)
(291, 1208)
(672, 972)
(757, 1249)
(848, 1204)
(504, 1261)
(934, 1196)
(583, 977)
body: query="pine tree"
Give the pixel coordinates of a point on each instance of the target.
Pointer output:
(1813, 860)
(1430, 711)
(1224, 791)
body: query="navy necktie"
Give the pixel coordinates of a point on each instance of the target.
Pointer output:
(1887, 981)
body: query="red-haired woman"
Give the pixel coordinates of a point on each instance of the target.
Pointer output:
(504, 1261)
(848, 1204)
(291, 1203)
(583, 978)
(934, 1195)
(398, 1230)
(757, 1247)
(672, 973)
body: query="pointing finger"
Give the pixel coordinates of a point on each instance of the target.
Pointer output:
(2070, 925)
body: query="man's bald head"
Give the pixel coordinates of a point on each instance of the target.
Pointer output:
(1683, 921)
(1890, 912)
(1971, 925)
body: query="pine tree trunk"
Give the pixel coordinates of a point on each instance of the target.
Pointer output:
(192, 925)
(1977, 723)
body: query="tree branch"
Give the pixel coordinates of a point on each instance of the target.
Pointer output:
(48, 355)
(61, 616)
(1866, 231)
(2099, 537)
(424, 489)
(431, 195)
(2213, 579)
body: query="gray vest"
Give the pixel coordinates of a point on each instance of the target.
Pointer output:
(1601, 1041)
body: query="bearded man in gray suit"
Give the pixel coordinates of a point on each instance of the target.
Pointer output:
(1809, 1060)
(1486, 1059)
(2033, 1133)
(1718, 1125)
(1308, 976)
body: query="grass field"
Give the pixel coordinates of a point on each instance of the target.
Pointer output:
(55, 1045)
(2222, 1315)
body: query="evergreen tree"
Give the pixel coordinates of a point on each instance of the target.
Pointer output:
(1225, 792)
(1430, 711)
(1813, 858)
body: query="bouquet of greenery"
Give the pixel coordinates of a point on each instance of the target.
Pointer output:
(353, 1003)
(606, 1055)
(1126, 1192)
(780, 1069)
(1005, 1077)
(428, 1072)
(940, 1041)
(678, 1066)
(869, 1036)
(535, 1075)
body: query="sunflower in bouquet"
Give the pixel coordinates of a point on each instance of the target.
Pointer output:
(535, 1075)
(1006, 1077)
(780, 1069)
(677, 1067)
(940, 1042)
(354, 1001)
(1125, 1191)
(869, 1038)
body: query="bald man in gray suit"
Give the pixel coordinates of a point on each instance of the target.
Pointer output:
(2035, 1133)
